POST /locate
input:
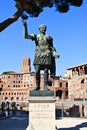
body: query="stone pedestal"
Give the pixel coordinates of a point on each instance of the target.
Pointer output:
(41, 113)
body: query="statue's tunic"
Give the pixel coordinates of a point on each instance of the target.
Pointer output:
(43, 52)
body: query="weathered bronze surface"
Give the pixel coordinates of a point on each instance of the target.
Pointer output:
(45, 55)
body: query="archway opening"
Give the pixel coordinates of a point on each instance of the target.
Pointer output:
(59, 94)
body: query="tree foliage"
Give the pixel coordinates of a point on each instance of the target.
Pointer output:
(8, 72)
(34, 7)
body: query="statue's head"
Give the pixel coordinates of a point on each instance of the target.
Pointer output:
(42, 27)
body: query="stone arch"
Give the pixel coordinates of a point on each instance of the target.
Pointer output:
(17, 98)
(12, 98)
(59, 93)
(5, 98)
(82, 81)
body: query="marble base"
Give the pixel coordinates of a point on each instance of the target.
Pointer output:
(41, 113)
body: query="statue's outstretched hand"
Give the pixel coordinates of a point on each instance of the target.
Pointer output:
(24, 23)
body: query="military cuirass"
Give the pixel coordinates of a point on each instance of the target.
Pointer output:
(42, 39)
(43, 51)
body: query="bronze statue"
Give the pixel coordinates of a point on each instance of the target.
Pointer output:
(45, 54)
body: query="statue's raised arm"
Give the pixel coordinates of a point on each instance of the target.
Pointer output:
(26, 35)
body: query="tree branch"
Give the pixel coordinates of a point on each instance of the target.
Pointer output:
(11, 20)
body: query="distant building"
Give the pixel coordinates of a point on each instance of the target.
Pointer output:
(77, 82)
(16, 86)
(26, 65)
(73, 86)
(12, 86)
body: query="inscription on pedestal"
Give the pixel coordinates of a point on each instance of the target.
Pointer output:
(41, 111)
(42, 116)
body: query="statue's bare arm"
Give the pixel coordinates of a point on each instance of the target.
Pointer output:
(26, 35)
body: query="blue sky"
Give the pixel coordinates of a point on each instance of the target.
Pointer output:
(69, 31)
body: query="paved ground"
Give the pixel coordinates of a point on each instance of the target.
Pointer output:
(71, 124)
(21, 123)
(14, 123)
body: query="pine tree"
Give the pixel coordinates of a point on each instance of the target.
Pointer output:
(34, 7)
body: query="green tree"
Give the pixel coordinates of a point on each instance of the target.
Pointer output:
(8, 72)
(34, 7)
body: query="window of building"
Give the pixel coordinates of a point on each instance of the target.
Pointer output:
(0, 81)
(49, 83)
(0, 88)
(66, 85)
(17, 98)
(60, 84)
(6, 98)
(24, 75)
(12, 98)
(82, 81)
(8, 85)
(66, 94)
(8, 77)
(85, 69)
(18, 81)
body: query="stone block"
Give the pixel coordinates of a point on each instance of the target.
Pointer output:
(41, 113)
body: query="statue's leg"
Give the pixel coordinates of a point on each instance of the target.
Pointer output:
(37, 68)
(53, 68)
(45, 78)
